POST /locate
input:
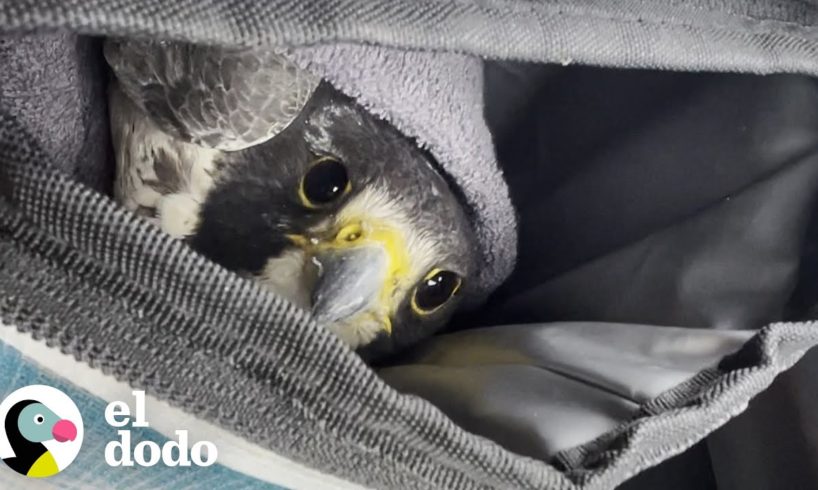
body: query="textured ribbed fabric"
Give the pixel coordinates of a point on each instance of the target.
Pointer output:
(112, 290)
(52, 77)
(116, 292)
(757, 36)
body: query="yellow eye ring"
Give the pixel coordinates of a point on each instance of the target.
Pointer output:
(435, 290)
(325, 181)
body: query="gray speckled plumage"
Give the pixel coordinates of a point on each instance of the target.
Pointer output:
(222, 98)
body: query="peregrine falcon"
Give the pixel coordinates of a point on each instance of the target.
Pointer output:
(278, 176)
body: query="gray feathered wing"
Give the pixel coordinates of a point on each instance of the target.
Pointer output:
(222, 98)
(176, 108)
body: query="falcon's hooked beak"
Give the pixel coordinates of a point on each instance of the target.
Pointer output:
(362, 272)
(349, 283)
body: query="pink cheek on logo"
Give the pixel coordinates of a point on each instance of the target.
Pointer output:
(64, 430)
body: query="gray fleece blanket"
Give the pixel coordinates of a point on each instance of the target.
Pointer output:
(436, 98)
(52, 83)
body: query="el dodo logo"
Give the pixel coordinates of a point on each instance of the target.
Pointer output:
(148, 453)
(41, 431)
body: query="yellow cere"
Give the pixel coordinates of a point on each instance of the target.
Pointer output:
(394, 243)
(357, 233)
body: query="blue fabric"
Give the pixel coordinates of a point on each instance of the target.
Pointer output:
(89, 470)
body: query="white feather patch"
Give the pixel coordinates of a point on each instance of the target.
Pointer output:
(357, 332)
(287, 276)
(178, 214)
(137, 141)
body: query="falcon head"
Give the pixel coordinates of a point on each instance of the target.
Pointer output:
(336, 211)
(346, 217)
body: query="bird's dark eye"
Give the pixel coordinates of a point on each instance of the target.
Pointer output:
(39, 419)
(324, 183)
(435, 290)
